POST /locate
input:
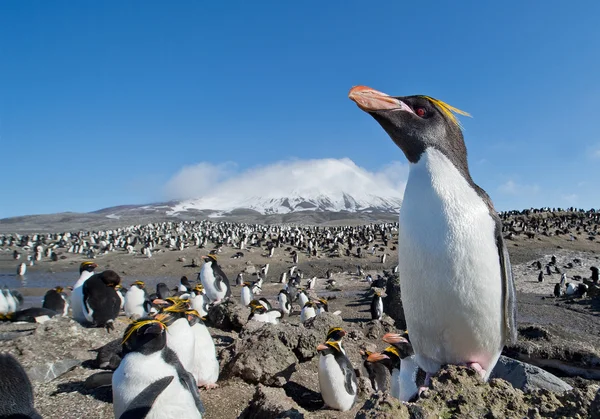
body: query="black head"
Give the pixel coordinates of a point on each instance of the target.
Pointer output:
(145, 336)
(110, 278)
(184, 281)
(335, 334)
(87, 266)
(416, 123)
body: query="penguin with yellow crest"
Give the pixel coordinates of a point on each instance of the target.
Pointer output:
(150, 381)
(337, 380)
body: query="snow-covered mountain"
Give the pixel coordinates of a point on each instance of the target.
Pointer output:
(295, 202)
(321, 185)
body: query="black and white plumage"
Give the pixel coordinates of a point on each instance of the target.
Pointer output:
(377, 306)
(457, 284)
(55, 299)
(15, 390)
(215, 282)
(150, 381)
(337, 379)
(285, 302)
(101, 303)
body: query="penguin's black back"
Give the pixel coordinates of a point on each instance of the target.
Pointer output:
(163, 291)
(16, 393)
(102, 299)
(29, 314)
(54, 301)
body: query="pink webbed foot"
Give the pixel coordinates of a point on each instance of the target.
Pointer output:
(209, 386)
(475, 365)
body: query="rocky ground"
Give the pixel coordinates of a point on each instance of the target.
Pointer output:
(268, 370)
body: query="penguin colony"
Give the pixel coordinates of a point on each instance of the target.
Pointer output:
(450, 239)
(168, 330)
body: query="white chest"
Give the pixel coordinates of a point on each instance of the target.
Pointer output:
(136, 372)
(449, 267)
(332, 383)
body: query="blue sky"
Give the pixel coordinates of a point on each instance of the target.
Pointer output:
(105, 103)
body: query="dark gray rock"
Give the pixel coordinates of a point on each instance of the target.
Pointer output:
(392, 302)
(382, 406)
(14, 335)
(527, 377)
(50, 370)
(229, 316)
(269, 353)
(272, 403)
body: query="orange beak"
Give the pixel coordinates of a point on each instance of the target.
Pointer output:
(377, 356)
(394, 338)
(373, 100)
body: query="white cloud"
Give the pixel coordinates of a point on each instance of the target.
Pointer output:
(510, 187)
(218, 183)
(198, 179)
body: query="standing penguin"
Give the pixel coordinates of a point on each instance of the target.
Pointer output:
(205, 368)
(86, 270)
(376, 371)
(198, 300)
(337, 380)
(137, 303)
(285, 302)
(409, 378)
(101, 303)
(55, 299)
(457, 283)
(214, 280)
(377, 306)
(16, 391)
(179, 333)
(21, 269)
(246, 295)
(308, 311)
(150, 381)
(302, 297)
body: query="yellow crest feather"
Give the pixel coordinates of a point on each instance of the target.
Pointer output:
(448, 110)
(139, 324)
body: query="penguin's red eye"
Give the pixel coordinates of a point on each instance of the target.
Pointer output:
(421, 112)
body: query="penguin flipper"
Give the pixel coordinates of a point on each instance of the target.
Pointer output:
(508, 291)
(142, 403)
(185, 378)
(349, 376)
(509, 300)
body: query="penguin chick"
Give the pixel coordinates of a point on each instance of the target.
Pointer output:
(150, 381)
(337, 380)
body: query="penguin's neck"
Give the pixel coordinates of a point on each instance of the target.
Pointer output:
(435, 183)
